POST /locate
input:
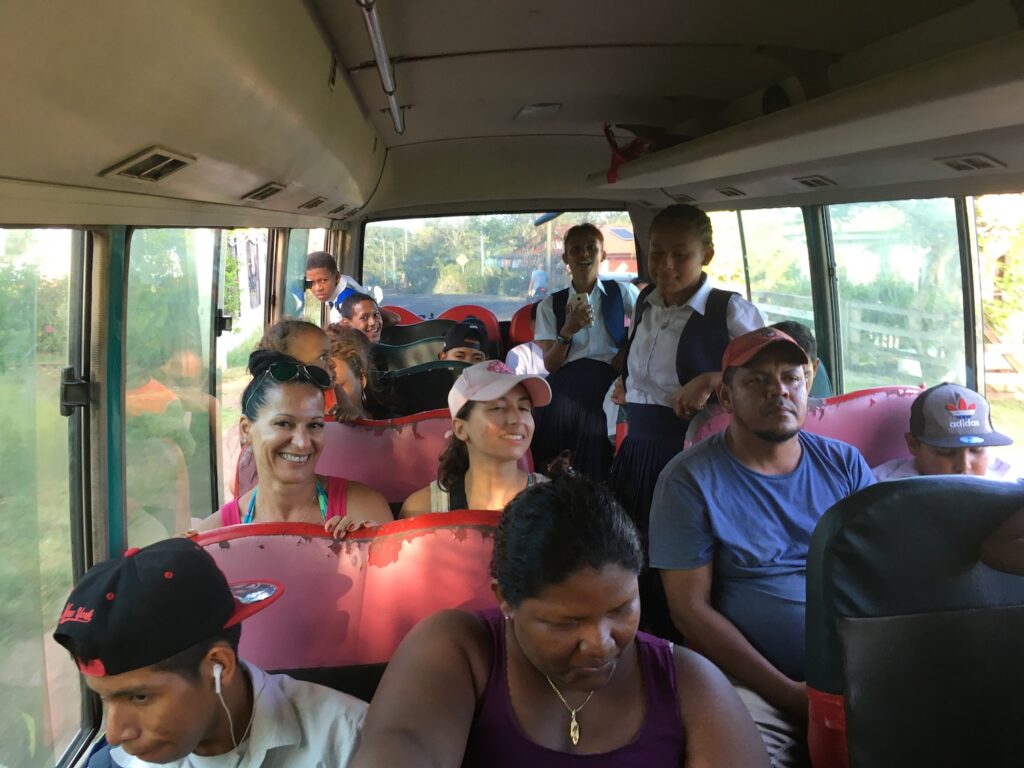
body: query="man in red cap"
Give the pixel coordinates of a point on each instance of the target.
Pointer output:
(155, 633)
(730, 527)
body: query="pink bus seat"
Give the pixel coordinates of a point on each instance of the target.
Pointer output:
(392, 456)
(351, 602)
(519, 331)
(874, 420)
(407, 317)
(462, 311)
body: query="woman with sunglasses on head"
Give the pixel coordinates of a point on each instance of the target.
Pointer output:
(557, 674)
(283, 422)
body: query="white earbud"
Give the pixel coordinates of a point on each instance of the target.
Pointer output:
(218, 670)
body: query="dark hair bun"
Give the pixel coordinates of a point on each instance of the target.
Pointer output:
(261, 359)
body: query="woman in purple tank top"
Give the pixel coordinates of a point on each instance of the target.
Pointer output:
(558, 675)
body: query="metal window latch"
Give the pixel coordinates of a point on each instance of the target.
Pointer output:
(74, 392)
(221, 322)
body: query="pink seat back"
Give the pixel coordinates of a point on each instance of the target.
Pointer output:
(352, 601)
(395, 457)
(407, 317)
(873, 420)
(462, 311)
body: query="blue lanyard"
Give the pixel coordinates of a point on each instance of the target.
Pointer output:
(321, 497)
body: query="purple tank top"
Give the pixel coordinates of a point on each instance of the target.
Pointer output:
(496, 741)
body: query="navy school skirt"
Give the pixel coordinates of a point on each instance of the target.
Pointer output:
(575, 419)
(655, 436)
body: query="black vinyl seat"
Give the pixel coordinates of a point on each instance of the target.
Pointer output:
(406, 334)
(394, 358)
(420, 388)
(914, 647)
(359, 680)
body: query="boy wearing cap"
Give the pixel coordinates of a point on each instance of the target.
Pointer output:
(731, 523)
(466, 342)
(950, 432)
(155, 633)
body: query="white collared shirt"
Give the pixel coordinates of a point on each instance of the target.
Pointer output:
(894, 469)
(652, 376)
(294, 723)
(594, 341)
(344, 283)
(526, 359)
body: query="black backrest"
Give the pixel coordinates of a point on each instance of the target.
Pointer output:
(406, 334)
(925, 642)
(395, 358)
(359, 680)
(420, 388)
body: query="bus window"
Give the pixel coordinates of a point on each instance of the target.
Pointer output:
(299, 302)
(999, 220)
(499, 261)
(243, 281)
(780, 279)
(900, 292)
(728, 269)
(39, 691)
(169, 409)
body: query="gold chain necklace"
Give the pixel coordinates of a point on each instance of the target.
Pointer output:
(574, 727)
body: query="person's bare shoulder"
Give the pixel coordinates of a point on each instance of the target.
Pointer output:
(210, 523)
(366, 503)
(418, 503)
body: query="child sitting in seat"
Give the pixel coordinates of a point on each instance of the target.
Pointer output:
(529, 357)
(466, 342)
(492, 425)
(361, 312)
(350, 364)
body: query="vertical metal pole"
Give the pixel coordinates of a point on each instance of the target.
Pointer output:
(213, 416)
(117, 280)
(970, 280)
(743, 250)
(824, 291)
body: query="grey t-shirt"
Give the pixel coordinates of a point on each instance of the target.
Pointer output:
(756, 529)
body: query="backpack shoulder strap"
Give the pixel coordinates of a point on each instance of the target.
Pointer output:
(613, 311)
(559, 300)
(638, 315)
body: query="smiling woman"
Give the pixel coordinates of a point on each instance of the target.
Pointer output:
(559, 675)
(283, 421)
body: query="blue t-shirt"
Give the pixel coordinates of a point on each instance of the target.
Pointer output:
(757, 529)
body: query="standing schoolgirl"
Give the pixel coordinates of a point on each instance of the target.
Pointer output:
(581, 330)
(681, 327)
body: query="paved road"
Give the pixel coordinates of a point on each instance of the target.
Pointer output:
(431, 305)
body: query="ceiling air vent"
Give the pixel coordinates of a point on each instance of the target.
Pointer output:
(340, 209)
(731, 192)
(975, 162)
(151, 164)
(815, 182)
(269, 189)
(681, 198)
(309, 205)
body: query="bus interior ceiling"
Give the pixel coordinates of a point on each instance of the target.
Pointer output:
(741, 105)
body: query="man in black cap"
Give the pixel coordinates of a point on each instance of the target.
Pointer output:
(155, 633)
(950, 434)
(466, 342)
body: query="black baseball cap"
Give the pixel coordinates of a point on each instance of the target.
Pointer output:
(470, 326)
(139, 609)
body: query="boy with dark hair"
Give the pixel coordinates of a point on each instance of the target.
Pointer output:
(331, 287)
(466, 342)
(155, 633)
(361, 311)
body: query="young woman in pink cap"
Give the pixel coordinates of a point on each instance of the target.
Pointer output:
(492, 426)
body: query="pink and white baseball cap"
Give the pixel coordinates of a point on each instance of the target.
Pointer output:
(490, 380)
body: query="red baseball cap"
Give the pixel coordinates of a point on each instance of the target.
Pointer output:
(134, 611)
(745, 348)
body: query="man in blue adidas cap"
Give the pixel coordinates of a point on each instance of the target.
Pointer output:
(156, 632)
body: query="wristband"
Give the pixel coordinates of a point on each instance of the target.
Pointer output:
(567, 340)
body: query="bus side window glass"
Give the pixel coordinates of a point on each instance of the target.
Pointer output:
(298, 301)
(780, 277)
(900, 292)
(999, 220)
(168, 405)
(243, 278)
(40, 706)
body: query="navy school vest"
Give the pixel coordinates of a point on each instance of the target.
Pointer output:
(704, 338)
(613, 311)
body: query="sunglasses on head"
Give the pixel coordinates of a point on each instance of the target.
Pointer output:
(283, 372)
